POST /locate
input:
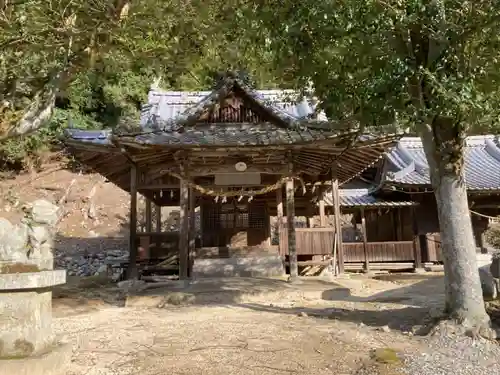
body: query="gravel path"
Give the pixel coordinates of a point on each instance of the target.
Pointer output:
(455, 355)
(214, 341)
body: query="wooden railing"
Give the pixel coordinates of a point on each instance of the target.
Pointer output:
(319, 241)
(390, 251)
(309, 241)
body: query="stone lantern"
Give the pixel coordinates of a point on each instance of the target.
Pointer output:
(27, 343)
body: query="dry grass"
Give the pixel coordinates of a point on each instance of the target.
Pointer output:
(19, 268)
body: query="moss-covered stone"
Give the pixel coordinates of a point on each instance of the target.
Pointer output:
(385, 355)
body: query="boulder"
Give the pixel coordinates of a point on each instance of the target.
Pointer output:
(44, 212)
(495, 265)
(488, 283)
(132, 286)
(13, 241)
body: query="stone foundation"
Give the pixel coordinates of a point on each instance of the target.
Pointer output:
(53, 362)
(27, 342)
(249, 266)
(26, 312)
(26, 324)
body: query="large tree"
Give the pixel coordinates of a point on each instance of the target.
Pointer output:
(47, 45)
(432, 64)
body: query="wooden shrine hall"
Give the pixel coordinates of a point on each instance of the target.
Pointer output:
(239, 157)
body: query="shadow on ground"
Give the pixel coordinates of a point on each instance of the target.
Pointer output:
(400, 309)
(406, 304)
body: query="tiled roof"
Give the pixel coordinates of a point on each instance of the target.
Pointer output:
(232, 135)
(97, 137)
(357, 193)
(165, 106)
(406, 164)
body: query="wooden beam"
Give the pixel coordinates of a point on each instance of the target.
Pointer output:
(290, 220)
(203, 170)
(338, 225)
(192, 228)
(365, 240)
(313, 262)
(184, 231)
(279, 216)
(132, 272)
(157, 186)
(166, 186)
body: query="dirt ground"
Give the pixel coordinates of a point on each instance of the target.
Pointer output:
(247, 326)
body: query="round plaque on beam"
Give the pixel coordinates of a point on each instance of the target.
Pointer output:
(240, 166)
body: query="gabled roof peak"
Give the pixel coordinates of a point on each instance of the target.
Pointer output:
(167, 109)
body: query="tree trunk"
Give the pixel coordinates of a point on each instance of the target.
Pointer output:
(444, 150)
(39, 111)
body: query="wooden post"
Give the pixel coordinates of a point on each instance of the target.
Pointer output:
(184, 231)
(279, 218)
(290, 220)
(132, 272)
(322, 216)
(149, 223)
(417, 250)
(158, 218)
(338, 226)
(310, 216)
(399, 226)
(365, 240)
(192, 228)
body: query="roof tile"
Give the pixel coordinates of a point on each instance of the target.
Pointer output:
(407, 163)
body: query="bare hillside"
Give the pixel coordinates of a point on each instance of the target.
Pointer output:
(95, 213)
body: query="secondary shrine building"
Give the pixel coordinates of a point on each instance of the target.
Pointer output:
(273, 184)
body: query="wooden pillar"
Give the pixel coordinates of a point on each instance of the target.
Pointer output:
(184, 231)
(290, 220)
(417, 250)
(322, 216)
(149, 223)
(338, 226)
(399, 225)
(311, 212)
(279, 218)
(158, 218)
(192, 228)
(158, 224)
(132, 272)
(365, 240)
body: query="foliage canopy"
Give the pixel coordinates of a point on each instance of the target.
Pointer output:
(382, 61)
(93, 61)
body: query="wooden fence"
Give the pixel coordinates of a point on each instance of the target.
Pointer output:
(309, 241)
(319, 241)
(391, 251)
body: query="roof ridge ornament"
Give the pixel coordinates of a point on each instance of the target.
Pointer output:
(412, 164)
